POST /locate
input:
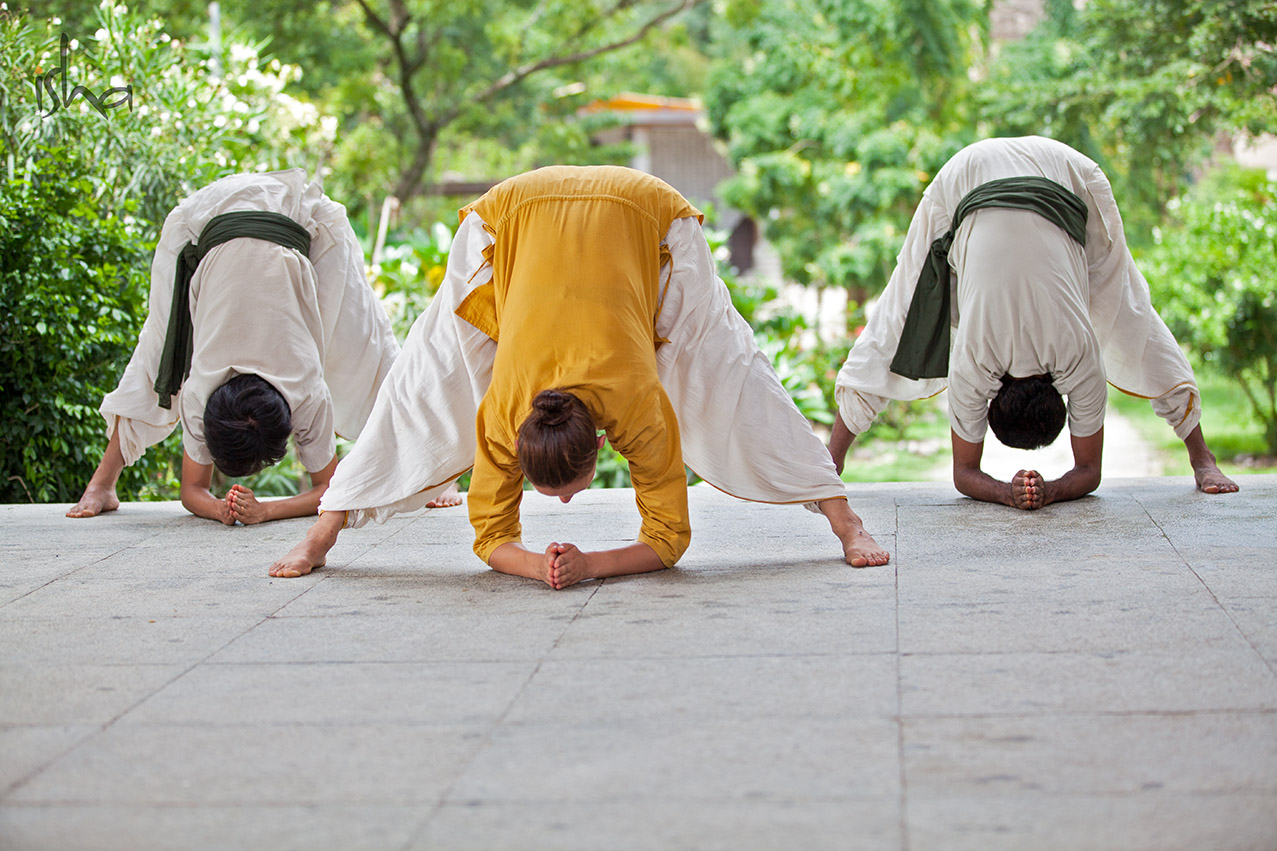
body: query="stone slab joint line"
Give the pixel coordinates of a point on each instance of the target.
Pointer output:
(581, 609)
(1271, 665)
(894, 564)
(22, 781)
(1181, 557)
(103, 727)
(486, 739)
(71, 573)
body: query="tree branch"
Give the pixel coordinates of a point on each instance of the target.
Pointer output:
(428, 126)
(517, 75)
(375, 20)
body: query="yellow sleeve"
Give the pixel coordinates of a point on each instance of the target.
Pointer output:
(660, 481)
(496, 489)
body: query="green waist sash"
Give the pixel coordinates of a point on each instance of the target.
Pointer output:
(175, 362)
(923, 351)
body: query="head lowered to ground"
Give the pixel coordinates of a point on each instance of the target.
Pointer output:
(558, 445)
(246, 425)
(1027, 413)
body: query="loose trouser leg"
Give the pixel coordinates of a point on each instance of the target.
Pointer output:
(420, 435)
(740, 430)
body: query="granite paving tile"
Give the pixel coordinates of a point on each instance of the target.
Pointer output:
(203, 826)
(649, 823)
(281, 764)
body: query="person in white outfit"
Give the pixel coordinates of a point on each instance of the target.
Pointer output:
(275, 332)
(1015, 288)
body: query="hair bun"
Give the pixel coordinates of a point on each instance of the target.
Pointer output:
(553, 407)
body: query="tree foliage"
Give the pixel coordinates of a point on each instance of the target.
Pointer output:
(465, 63)
(70, 283)
(1145, 87)
(1211, 273)
(837, 113)
(83, 193)
(191, 120)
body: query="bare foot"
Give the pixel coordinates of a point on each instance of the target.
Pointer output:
(1211, 480)
(1205, 470)
(1028, 490)
(312, 551)
(859, 549)
(863, 551)
(96, 500)
(447, 499)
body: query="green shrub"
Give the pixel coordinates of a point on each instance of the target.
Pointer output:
(408, 273)
(72, 296)
(1211, 275)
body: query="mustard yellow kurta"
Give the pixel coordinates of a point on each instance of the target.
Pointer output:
(573, 303)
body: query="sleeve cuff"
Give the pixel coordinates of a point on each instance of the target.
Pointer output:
(484, 548)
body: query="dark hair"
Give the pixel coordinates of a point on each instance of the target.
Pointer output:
(246, 425)
(1027, 413)
(557, 442)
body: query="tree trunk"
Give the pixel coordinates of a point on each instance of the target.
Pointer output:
(412, 180)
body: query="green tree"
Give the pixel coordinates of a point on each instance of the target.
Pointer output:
(837, 113)
(1211, 273)
(467, 66)
(1146, 87)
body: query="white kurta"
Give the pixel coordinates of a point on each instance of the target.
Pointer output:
(1027, 300)
(311, 327)
(738, 427)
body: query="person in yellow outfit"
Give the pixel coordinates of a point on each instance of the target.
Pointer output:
(595, 283)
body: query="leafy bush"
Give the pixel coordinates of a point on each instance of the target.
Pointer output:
(72, 293)
(1211, 274)
(194, 116)
(408, 273)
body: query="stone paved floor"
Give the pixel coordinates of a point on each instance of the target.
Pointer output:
(1097, 675)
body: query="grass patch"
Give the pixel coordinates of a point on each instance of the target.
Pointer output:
(1232, 432)
(908, 443)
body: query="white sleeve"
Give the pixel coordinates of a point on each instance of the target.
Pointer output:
(970, 389)
(1087, 403)
(313, 432)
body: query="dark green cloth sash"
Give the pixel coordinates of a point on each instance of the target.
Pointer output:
(923, 351)
(175, 362)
